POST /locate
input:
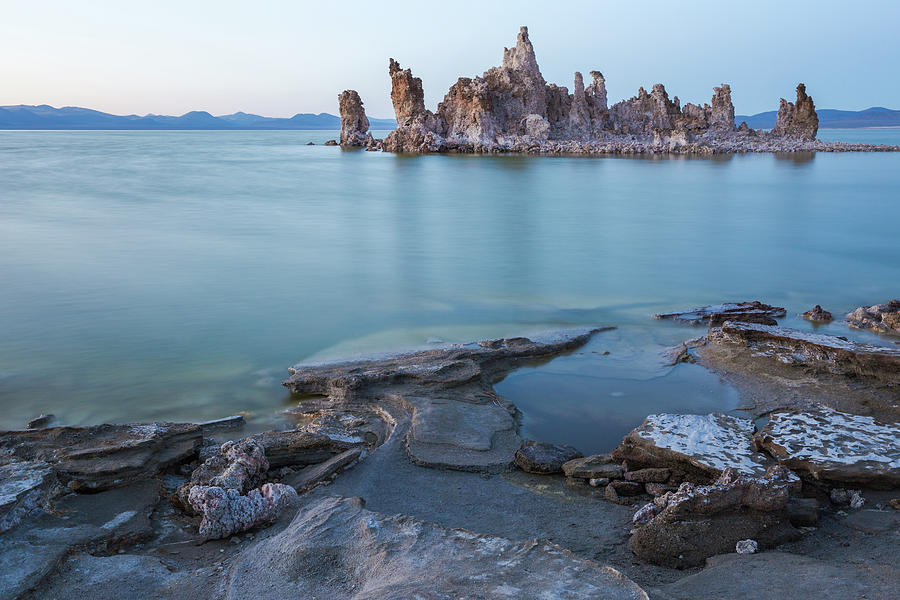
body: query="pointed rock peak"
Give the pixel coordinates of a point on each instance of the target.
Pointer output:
(598, 77)
(393, 67)
(579, 84)
(521, 57)
(801, 92)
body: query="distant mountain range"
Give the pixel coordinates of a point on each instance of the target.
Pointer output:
(830, 118)
(72, 117)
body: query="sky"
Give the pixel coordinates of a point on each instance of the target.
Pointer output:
(279, 58)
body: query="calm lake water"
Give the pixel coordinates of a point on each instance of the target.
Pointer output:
(175, 275)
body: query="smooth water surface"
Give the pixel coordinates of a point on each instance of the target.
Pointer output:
(175, 275)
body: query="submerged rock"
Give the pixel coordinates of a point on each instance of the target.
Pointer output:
(457, 420)
(545, 459)
(716, 314)
(702, 446)
(337, 549)
(884, 318)
(683, 528)
(817, 313)
(834, 447)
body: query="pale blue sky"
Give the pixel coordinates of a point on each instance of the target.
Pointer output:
(278, 58)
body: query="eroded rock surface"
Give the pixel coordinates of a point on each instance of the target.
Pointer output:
(797, 120)
(337, 549)
(457, 420)
(884, 318)
(683, 528)
(716, 314)
(825, 353)
(817, 313)
(354, 123)
(701, 446)
(545, 459)
(239, 465)
(511, 108)
(226, 511)
(104, 456)
(835, 447)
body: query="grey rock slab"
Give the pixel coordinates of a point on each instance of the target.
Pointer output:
(126, 576)
(777, 576)
(105, 456)
(25, 485)
(545, 459)
(597, 466)
(825, 353)
(335, 548)
(716, 314)
(315, 474)
(701, 445)
(835, 447)
(873, 521)
(24, 565)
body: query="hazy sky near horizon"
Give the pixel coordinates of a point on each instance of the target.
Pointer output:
(278, 58)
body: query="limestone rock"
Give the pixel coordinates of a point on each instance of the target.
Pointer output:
(337, 549)
(239, 465)
(835, 447)
(817, 313)
(697, 522)
(105, 456)
(884, 318)
(598, 466)
(354, 123)
(25, 487)
(457, 420)
(545, 459)
(702, 446)
(313, 475)
(797, 120)
(721, 113)
(226, 512)
(716, 314)
(417, 129)
(294, 447)
(746, 547)
(823, 353)
(649, 475)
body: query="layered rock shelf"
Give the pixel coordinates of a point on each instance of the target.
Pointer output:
(511, 108)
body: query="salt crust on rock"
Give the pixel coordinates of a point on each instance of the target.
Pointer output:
(834, 446)
(337, 549)
(702, 445)
(226, 512)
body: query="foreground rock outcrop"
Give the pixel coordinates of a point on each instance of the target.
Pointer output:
(511, 108)
(883, 318)
(337, 549)
(354, 123)
(457, 420)
(683, 528)
(835, 447)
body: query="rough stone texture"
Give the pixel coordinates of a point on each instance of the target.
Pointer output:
(354, 123)
(716, 314)
(824, 353)
(545, 459)
(884, 318)
(702, 446)
(239, 465)
(697, 522)
(649, 475)
(337, 549)
(598, 466)
(290, 448)
(457, 420)
(25, 486)
(226, 512)
(511, 108)
(803, 512)
(746, 547)
(105, 456)
(313, 475)
(778, 576)
(835, 447)
(797, 120)
(817, 313)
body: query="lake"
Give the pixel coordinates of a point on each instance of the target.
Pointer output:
(175, 275)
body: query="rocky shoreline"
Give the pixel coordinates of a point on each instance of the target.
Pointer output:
(407, 475)
(512, 109)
